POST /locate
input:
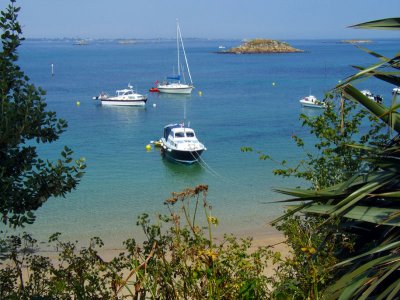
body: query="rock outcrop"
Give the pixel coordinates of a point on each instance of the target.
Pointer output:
(356, 41)
(257, 46)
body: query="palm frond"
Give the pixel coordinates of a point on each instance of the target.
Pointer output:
(373, 53)
(389, 77)
(385, 24)
(371, 214)
(390, 117)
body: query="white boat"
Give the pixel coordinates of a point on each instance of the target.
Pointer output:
(127, 97)
(312, 101)
(368, 94)
(396, 90)
(81, 43)
(371, 96)
(180, 144)
(177, 87)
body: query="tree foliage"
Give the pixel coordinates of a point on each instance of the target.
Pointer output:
(179, 259)
(27, 181)
(366, 205)
(331, 160)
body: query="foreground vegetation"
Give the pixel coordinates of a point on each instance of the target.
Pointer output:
(343, 236)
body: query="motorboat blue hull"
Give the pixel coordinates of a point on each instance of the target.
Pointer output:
(186, 157)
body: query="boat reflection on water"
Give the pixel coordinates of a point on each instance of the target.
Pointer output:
(183, 171)
(172, 96)
(121, 114)
(311, 112)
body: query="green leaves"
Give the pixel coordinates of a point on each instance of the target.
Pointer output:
(375, 215)
(385, 24)
(26, 181)
(389, 115)
(365, 202)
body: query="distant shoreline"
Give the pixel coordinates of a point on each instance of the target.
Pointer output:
(356, 41)
(67, 39)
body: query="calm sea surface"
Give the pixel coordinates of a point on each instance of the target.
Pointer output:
(246, 100)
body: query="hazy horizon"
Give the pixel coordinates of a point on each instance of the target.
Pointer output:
(207, 19)
(161, 39)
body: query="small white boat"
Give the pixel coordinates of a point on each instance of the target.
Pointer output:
(127, 97)
(221, 47)
(396, 90)
(368, 94)
(180, 144)
(81, 43)
(177, 87)
(312, 101)
(371, 96)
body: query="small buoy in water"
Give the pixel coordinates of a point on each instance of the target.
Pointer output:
(273, 83)
(154, 105)
(200, 93)
(340, 81)
(78, 103)
(148, 147)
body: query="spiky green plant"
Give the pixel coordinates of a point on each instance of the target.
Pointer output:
(368, 204)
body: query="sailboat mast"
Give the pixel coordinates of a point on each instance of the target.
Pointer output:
(177, 49)
(184, 53)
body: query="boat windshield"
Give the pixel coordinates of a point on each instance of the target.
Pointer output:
(124, 92)
(182, 134)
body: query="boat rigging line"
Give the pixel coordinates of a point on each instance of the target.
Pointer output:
(206, 167)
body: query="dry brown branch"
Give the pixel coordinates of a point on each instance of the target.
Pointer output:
(141, 266)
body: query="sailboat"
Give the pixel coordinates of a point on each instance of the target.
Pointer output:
(177, 87)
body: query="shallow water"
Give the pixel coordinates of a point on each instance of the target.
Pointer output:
(246, 100)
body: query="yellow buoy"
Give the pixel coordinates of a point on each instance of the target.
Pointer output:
(78, 103)
(200, 93)
(148, 147)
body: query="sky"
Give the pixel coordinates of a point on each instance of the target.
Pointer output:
(213, 19)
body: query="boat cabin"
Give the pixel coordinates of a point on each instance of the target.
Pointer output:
(125, 92)
(176, 131)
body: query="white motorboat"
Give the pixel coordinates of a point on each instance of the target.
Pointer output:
(177, 87)
(368, 94)
(371, 96)
(180, 144)
(312, 101)
(396, 90)
(127, 97)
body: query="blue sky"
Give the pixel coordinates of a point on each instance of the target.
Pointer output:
(227, 19)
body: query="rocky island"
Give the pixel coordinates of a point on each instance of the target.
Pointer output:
(356, 41)
(257, 46)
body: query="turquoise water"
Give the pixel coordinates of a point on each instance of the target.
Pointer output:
(247, 100)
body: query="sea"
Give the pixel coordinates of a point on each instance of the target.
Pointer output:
(238, 101)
